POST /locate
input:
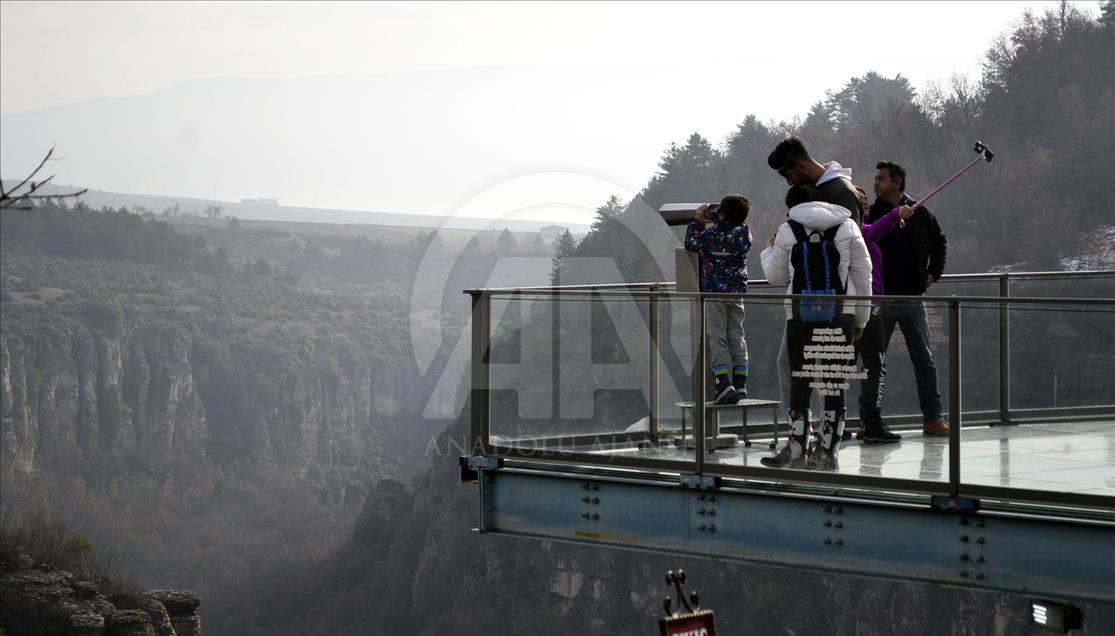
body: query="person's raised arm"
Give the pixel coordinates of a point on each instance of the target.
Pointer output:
(695, 235)
(872, 232)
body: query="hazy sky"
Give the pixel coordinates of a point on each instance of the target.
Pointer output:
(659, 70)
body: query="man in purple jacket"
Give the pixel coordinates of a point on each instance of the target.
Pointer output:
(871, 346)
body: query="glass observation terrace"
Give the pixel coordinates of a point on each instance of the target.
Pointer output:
(603, 376)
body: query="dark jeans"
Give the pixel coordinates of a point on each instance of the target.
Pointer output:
(871, 349)
(912, 319)
(800, 334)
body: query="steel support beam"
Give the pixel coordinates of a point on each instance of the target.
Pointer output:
(1022, 554)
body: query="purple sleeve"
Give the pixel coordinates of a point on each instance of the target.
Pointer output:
(872, 232)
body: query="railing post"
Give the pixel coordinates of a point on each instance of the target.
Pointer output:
(698, 338)
(955, 422)
(481, 372)
(1004, 349)
(652, 325)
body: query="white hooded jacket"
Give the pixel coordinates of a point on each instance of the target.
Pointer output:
(855, 262)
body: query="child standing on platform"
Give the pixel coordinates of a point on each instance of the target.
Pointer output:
(720, 236)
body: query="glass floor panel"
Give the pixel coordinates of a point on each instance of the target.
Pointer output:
(1063, 456)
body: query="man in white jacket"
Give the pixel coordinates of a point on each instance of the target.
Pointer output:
(819, 345)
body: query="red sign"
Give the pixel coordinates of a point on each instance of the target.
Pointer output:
(695, 624)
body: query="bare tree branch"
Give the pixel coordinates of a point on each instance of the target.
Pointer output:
(15, 200)
(35, 171)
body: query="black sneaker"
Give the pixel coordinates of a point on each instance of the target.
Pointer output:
(878, 433)
(726, 395)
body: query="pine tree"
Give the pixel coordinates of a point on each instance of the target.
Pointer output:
(506, 241)
(565, 247)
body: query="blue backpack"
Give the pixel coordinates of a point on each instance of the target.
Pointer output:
(816, 264)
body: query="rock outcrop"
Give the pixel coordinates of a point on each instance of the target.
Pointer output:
(48, 602)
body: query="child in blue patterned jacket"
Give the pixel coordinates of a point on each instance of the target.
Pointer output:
(722, 239)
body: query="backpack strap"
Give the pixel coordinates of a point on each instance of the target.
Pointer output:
(825, 256)
(798, 230)
(830, 235)
(805, 266)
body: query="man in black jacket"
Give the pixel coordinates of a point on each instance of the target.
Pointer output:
(794, 164)
(913, 259)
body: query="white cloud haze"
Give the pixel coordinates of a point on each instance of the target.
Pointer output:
(419, 107)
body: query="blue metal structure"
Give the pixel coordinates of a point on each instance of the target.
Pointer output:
(973, 512)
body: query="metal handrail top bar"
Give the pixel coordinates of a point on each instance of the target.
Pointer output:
(981, 276)
(991, 300)
(589, 286)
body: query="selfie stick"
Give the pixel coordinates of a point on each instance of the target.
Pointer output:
(984, 153)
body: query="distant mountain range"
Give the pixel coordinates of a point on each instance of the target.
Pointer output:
(434, 142)
(265, 210)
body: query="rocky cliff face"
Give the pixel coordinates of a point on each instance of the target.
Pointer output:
(70, 395)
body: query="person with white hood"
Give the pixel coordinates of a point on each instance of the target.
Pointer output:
(819, 333)
(793, 163)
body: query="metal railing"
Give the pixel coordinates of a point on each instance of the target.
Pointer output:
(655, 293)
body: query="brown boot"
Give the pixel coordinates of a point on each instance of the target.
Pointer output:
(937, 428)
(792, 454)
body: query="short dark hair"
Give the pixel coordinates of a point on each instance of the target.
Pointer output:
(788, 152)
(802, 194)
(734, 208)
(897, 172)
